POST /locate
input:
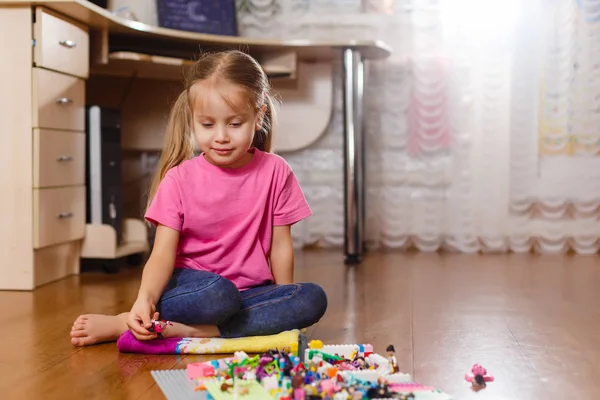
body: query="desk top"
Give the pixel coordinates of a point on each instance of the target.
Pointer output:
(132, 35)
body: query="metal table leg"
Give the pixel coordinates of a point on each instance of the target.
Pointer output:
(354, 188)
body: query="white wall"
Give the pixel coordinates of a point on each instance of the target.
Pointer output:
(453, 123)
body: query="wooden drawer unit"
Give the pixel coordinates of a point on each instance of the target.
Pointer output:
(55, 262)
(60, 45)
(59, 100)
(58, 215)
(58, 158)
(42, 98)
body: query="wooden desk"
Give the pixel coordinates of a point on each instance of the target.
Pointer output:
(50, 50)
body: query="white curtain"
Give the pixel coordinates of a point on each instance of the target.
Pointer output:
(483, 127)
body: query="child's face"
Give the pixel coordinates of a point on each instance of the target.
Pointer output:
(224, 122)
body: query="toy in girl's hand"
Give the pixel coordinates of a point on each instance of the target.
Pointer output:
(159, 326)
(478, 377)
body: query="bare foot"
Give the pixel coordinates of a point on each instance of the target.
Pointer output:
(91, 329)
(175, 329)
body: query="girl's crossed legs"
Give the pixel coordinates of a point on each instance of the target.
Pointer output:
(203, 304)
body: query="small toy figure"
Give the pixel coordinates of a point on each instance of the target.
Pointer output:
(381, 391)
(159, 327)
(355, 394)
(360, 363)
(478, 377)
(392, 359)
(297, 387)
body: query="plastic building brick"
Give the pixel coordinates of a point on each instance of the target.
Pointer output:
(200, 370)
(335, 372)
(342, 350)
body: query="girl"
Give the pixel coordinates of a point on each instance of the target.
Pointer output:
(222, 260)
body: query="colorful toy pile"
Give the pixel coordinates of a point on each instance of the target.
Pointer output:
(336, 372)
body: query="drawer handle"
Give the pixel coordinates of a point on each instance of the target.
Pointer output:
(67, 43)
(64, 158)
(64, 100)
(65, 214)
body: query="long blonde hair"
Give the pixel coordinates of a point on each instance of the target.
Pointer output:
(234, 66)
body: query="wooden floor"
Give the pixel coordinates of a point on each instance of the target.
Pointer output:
(532, 321)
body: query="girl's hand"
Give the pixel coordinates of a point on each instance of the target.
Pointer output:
(140, 319)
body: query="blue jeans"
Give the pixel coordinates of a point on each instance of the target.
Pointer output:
(194, 297)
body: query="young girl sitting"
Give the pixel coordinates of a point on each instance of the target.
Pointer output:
(222, 261)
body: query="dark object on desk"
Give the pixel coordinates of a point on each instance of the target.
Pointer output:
(100, 3)
(104, 186)
(216, 17)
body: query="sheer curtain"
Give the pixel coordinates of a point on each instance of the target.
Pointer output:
(483, 128)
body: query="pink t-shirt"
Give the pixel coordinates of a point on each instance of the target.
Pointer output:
(225, 216)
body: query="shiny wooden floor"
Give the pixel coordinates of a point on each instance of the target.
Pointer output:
(532, 321)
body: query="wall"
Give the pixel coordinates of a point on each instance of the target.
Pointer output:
(465, 123)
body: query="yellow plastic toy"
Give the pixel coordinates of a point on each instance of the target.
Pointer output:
(294, 348)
